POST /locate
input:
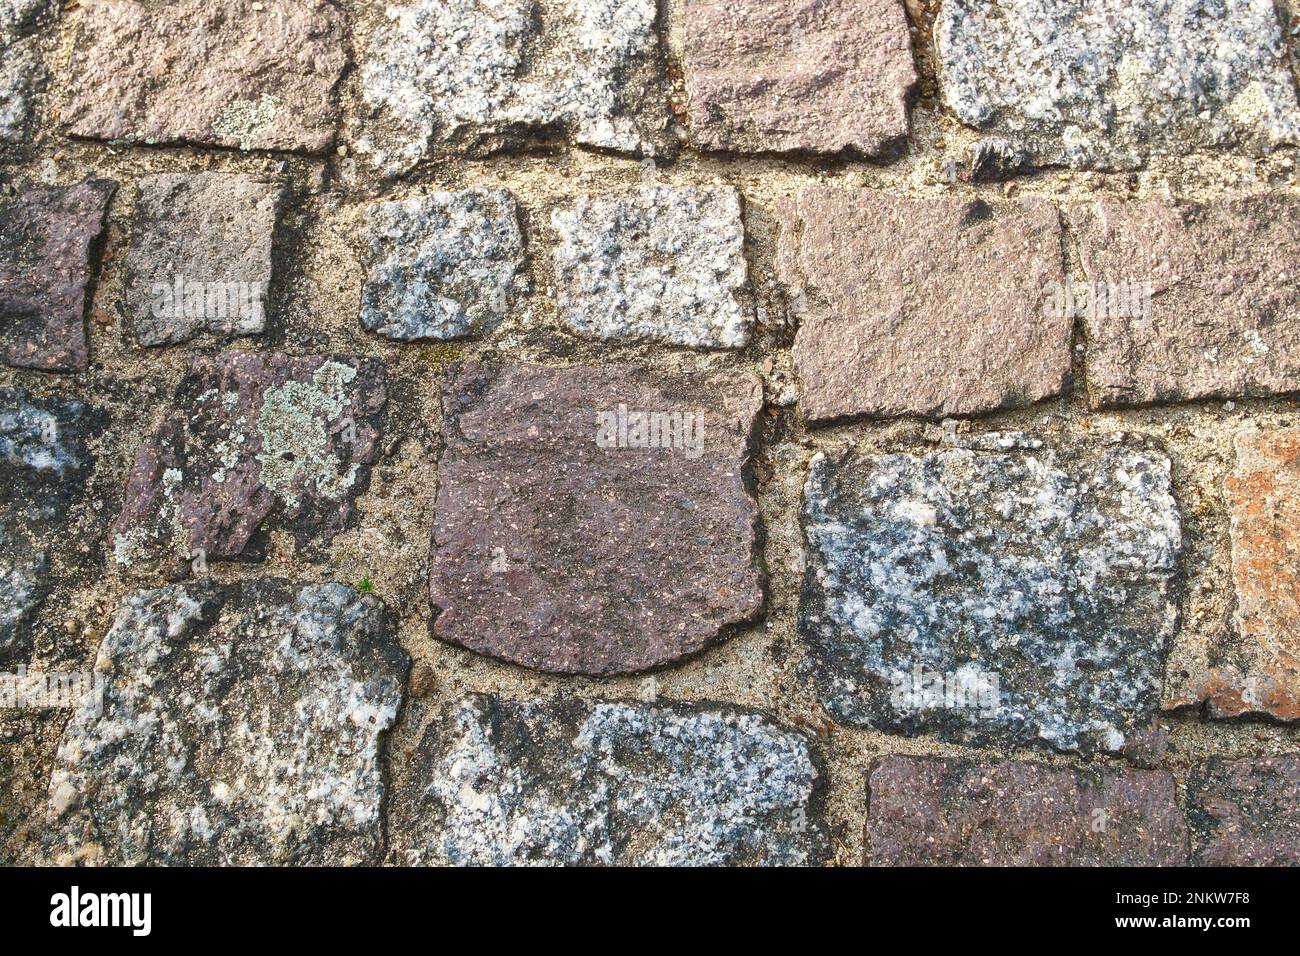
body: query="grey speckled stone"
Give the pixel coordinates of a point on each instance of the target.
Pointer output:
(1044, 572)
(665, 264)
(590, 782)
(21, 70)
(442, 266)
(241, 724)
(1246, 812)
(1107, 83)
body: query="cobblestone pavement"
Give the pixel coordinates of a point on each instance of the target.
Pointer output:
(591, 431)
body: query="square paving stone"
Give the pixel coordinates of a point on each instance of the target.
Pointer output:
(1108, 83)
(1246, 812)
(808, 76)
(239, 73)
(238, 724)
(922, 306)
(47, 245)
(593, 520)
(1008, 592)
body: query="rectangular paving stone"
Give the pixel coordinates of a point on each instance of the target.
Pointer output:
(240, 74)
(809, 76)
(47, 243)
(1245, 812)
(1108, 83)
(932, 812)
(922, 306)
(1224, 308)
(593, 520)
(1006, 592)
(571, 782)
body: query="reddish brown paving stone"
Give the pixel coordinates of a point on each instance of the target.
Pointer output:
(922, 306)
(1246, 812)
(558, 553)
(809, 76)
(934, 812)
(215, 74)
(47, 239)
(1224, 316)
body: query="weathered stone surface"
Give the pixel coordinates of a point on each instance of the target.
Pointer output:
(1107, 83)
(664, 264)
(21, 68)
(1008, 592)
(592, 782)
(1246, 812)
(922, 306)
(927, 812)
(467, 75)
(252, 436)
(810, 76)
(241, 724)
(442, 266)
(569, 539)
(200, 256)
(239, 74)
(46, 243)
(1224, 309)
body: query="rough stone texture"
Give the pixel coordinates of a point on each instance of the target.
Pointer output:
(810, 76)
(239, 73)
(200, 256)
(580, 782)
(474, 76)
(241, 724)
(47, 237)
(1246, 812)
(1107, 83)
(21, 68)
(442, 266)
(1225, 298)
(251, 436)
(664, 264)
(922, 306)
(1047, 568)
(553, 551)
(928, 812)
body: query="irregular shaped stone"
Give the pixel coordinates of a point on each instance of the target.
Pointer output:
(1223, 281)
(442, 266)
(1109, 83)
(664, 264)
(1245, 812)
(253, 436)
(240, 724)
(200, 256)
(922, 306)
(1007, 592)
(23, 587)
(239, 74)
(593, 520)
(571, 782)
(471, 76)
(810, 76)
(928, 812)
(21, 71)
(47, 240)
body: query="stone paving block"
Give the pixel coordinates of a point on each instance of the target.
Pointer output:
(1108, 83)
(663, 264)
(1246, 812)
(442, 266)
(593, 520)
(1009, 592)
(470, 76)
(922, 306)
(22, 70)
(239, 74)
(571, 782)
(809, 76)
(200, 255)
(253, 437)
(932, 812)
(240, 724)
(1222, 284)
(47, 240)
